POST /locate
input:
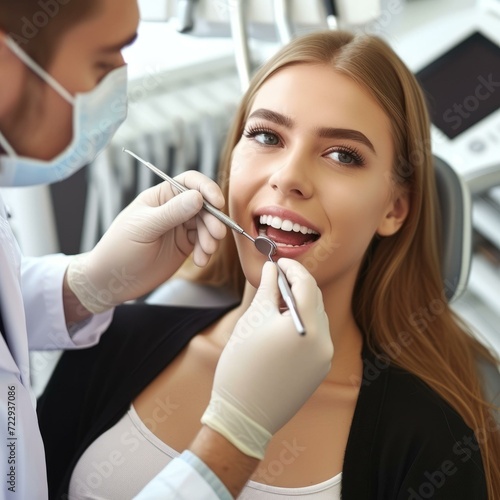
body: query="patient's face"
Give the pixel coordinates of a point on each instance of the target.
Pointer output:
(312, 171)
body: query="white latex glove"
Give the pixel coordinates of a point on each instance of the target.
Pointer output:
(267, 371)
(148, 242)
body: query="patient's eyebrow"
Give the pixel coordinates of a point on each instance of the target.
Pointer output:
(345, 133)
(272, 116)
(324, 132)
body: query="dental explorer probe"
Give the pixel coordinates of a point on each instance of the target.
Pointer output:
(263, 244)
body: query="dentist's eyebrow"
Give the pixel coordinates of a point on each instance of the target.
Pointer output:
(121, 45)
(324, 132)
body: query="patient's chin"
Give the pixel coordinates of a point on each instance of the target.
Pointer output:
(252, 266)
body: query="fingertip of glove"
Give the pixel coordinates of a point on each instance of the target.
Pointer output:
(191, 201)
(267, 265)
(268, 268)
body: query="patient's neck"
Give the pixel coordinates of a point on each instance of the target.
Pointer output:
(346, 336)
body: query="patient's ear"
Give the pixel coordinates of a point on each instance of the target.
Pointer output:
(396, 213)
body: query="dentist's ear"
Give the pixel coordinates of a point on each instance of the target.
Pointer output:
(396, 214)
(12, 77)
(5, 51)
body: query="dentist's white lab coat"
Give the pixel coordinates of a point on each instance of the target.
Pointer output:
(33, 316)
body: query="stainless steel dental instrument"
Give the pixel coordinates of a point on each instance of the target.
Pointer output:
(206, 205)
(263, 244)
(268, 247)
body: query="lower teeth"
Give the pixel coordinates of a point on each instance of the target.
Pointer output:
(287, 245)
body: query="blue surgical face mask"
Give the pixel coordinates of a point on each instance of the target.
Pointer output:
(96, 117)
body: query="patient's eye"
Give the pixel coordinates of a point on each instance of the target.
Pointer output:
(346, 156)
(342, 157)
(262, 135)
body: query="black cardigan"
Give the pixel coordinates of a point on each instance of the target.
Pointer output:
(405, 442)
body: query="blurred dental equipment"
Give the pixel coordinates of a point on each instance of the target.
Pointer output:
(263, 244)
(460, 74)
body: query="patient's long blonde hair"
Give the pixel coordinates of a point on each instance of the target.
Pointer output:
(399, 300)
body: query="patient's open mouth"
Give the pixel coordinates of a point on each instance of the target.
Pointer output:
(284, 232)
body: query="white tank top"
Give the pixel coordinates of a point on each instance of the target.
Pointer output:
(119, 463)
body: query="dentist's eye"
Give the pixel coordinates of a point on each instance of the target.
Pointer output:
(346, 156)
(263, 136)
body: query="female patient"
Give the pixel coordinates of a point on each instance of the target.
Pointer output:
(320, 160)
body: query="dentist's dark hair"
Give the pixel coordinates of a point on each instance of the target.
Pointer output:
(401, 274)
(38, 25)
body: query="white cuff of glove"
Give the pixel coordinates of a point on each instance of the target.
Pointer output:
(91, 297)
(240, 430)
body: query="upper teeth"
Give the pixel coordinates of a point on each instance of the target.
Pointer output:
(285, 224)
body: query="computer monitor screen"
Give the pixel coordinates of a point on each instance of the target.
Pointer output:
(463, 85)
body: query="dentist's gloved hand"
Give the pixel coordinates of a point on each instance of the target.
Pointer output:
(267, 371)
(148, 242)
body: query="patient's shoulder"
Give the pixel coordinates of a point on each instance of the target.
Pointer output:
(405, 406)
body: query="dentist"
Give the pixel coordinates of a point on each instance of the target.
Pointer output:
(63, 89)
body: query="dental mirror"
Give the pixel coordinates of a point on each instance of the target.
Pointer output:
(265, 246)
